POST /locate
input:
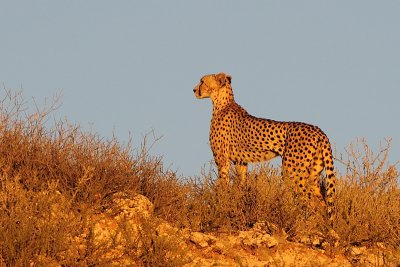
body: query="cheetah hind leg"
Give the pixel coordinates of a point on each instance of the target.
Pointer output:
(315, 191)
(307, 188)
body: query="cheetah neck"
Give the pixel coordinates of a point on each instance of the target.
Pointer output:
(223, 99)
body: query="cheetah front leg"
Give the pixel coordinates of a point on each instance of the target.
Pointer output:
(241, 170)
(223, 172)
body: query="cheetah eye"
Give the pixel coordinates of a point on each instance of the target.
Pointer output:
(202, 83)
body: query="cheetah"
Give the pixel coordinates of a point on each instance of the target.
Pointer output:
(240, 138)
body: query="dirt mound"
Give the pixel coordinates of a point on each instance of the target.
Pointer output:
(262, 245)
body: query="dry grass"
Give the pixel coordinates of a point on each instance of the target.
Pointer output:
(369, 197)
(62, 165)
(53, 178)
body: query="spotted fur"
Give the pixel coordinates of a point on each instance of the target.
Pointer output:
(240, 138)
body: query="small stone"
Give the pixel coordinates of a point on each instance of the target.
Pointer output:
(269, 241)
(332, 234)
(165, 229)
(305, 240)
(316, 241)
(202, 240)
(357, 251)
(219, 247)
(256, 239)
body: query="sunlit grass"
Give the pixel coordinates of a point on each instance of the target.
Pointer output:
(54, 179)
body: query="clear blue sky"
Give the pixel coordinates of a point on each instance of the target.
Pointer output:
(130, 66)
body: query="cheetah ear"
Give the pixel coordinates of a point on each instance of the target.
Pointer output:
(223, 78)
(229, 78)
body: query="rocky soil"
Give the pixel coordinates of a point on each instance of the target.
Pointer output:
(131, 226)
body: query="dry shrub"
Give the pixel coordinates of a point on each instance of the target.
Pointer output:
(160, 248)
(46, 166)
(87, 167)
(33, 223)
(265, 197)
(163, 188)
(84, 165)
(368, 200)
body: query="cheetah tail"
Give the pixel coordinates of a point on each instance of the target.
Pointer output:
(330, 176)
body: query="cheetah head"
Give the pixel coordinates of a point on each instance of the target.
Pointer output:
(211, 84)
